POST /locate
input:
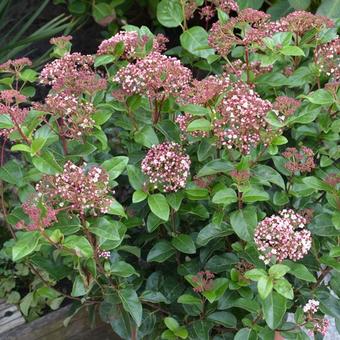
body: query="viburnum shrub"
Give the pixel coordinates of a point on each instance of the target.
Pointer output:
(182, 198)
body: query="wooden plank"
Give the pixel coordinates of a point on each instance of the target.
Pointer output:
(51, 327)
(10, 317)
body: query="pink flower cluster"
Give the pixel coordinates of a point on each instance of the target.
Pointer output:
(9, 105)
(61, 41)
(242, 119)
(40, 216)
(286, 105)
(104, 254)
(72, 74)
(15, 66)
(73, 115)
(81, 191)
(134, 44)
(299, 160)
(283, 236)
(167, 165)
(319, 325)
(311, 306)
(327, 58)
(205, 91)
(222, 36)
(156, 77)
(300, 22)
(204, 281)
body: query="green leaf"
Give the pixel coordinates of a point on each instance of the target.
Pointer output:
(115, 166)
(159, 206)
(195, 40)
(199, 125)
(225, 319)
(107, 229)
(169, 13)
(219, 287)
(256, 4)
(79, 244)
(175, 199)
(283, 287)
(188, 299)
(103, 60)
(225, 196)
(274, 309)
(255, 274)
(245, 334)
(131, 304)
(300, 271)
(6, 121)
(330, 8)
(11, 173)
(212, 231)
(78, 288)
(102, 11)
(320, 97)
(195, 110)
(264, 286)
(300, 4)
(26, 244)
(47, 164)
(184, 244)
(160, 252)
(116, 209)
(139, 196)
(214, 167)
(244, 223)
(146, 136)
(154, 297)
(123, 269)
(255, 194)
(136, 178)
(292, 51)
(268, 173)
(316, 183)
(171, 323)
(278, 270)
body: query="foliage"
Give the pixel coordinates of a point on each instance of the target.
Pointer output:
(182, 208)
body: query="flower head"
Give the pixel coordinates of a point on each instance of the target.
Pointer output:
(72, 74)
(299, 160)
(203, 281)
(16, 65)
(77, 189)
(283, 236)
(286, 105)
(134, 44)
(242, 119)
(311, 306)
(156, 77)
(167, 165)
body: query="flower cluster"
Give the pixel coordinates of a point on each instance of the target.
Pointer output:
(9, 105)
(300, 22)
(205, 91)
(40, 216)
(156, 77)
(72, 74)
(333, 179)
(73, 115)
(283, 236)
(311, 306)
(319, 325)
(167, 165)
(242, 119)
(222, 36)
(104, 254)
(134, 44)
(327, 58)
(299, 160)
(286, 105)
(79, 190)
(15, 66)
(240, 176)
(62, 41)
(203, 281)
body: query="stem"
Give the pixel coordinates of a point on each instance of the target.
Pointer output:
(247, 63)
(323, 274)
(20, 131)
(185, 25)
